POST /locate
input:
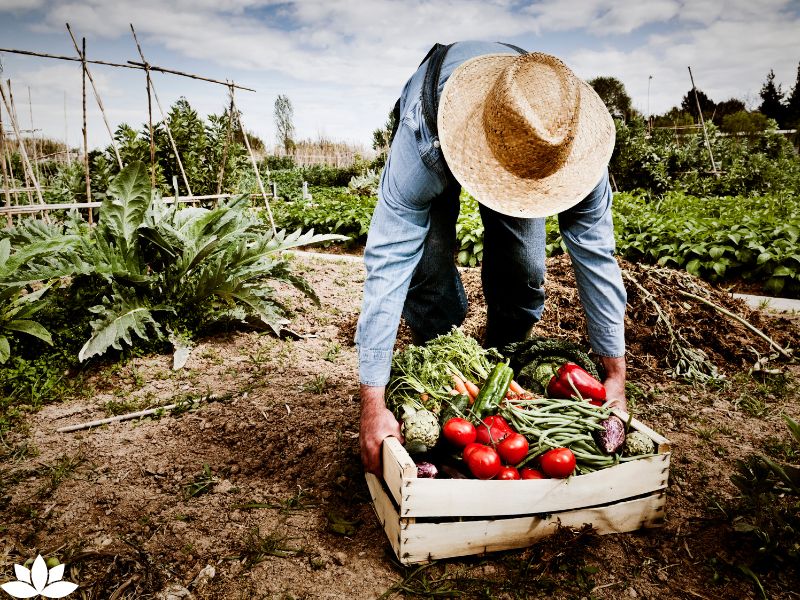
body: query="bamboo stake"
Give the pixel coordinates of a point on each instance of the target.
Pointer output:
(736, 317)
(131, 65)
(86, 139)
(33, 137)
(703, 123)
(6, 183)
(149, 113)
(255, 167)
(88, 74)
(135, 415)
(228, 135)
(166, 121)
(66, 133)
(25, 162)
(15, 119)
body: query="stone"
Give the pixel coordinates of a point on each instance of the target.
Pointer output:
(340, 558)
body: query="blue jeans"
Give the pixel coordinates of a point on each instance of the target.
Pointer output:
(512, 275)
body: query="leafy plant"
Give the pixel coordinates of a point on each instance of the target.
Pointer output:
(331, 210)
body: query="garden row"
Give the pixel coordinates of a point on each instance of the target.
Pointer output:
(725, 238)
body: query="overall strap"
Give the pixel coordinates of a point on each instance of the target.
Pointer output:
(430, 87)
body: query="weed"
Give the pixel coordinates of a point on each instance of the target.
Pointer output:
(332, 353)
(293, 504)
(317, 385)
(257, 547)
(58, 472)
(202, 484)
(114, 407)
(752, 405)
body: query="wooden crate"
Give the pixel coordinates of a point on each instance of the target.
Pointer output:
(427, 519)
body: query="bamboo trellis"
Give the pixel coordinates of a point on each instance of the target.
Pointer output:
(32, 182)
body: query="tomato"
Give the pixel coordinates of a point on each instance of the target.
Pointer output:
(558, 462)
(470, 448)
(483, 462)
(528, 473)
(508, 473)
(513, 448)
(459, 432)
(492, 429)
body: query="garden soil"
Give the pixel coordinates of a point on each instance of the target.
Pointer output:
(255, 490)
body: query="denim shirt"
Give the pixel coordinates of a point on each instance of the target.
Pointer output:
(415, 173)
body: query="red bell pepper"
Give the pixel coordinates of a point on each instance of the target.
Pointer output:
(572, 378)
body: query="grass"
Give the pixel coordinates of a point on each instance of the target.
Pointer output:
(202, 484)
(257, 547)
(58, 472)
(299, 502)
(317, 385)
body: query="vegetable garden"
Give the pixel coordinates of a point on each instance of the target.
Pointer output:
(250, 484)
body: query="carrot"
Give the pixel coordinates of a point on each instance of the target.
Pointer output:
(515, 387)
(459, 385)
(472, 389)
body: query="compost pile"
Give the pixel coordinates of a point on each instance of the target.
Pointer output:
(662, 322)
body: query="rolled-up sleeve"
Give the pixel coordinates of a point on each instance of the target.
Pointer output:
(588, 232)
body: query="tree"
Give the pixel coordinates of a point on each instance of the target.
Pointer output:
(744, 122)
(284, 122)
(381, 136)
(772, 100)
(612, 92)
(674, 117)
(793, 104)
(707, 105)
(727, 107)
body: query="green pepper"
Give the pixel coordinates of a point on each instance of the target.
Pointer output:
(457, 406)
(493, 391)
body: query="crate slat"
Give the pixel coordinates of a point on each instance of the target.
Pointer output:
(428, 541)
(398, 467)
(473, 497)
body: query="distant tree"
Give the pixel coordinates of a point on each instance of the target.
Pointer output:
(793, 104)
(744, 122)
(284, 122)
(674, 117)
(727, 107)
(772, 100)
(380, 137)
(707, 105)
(612, 92)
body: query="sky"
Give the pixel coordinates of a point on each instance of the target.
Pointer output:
(342, 63)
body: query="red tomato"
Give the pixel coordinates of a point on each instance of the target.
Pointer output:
(528, 473)
(558, 462)
(508, 473)
(492, 429)
(483, 462)
(513, 448)
(470, 448)
(459, 432)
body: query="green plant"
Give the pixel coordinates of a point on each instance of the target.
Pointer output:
(331, 210)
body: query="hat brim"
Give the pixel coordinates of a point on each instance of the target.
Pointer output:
(470, 159)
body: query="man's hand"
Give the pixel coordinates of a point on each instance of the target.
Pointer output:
(615, 381)
(377, 423)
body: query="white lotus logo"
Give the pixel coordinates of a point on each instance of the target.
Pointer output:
(39, 581)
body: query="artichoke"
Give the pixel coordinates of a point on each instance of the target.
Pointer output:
(637, 443)
(421, 430)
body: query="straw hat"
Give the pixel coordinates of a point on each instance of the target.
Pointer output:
(523, 134)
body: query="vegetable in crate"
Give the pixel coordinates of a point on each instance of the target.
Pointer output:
(426, 470)
(558, 462)
(421, 430)
(482, 461)
(612, 436)
(527, 355)
(638, 444)
(568, 380)
(459, 432)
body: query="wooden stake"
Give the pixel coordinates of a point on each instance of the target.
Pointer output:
(86, 139)
(88, 73)
(33, 137)
(23, 153)
(66, 133)
(166, 122)
(6, 183)
(255, 167)
(149, 113)
(703, 123)
(131, 65)
(18, 131)
(227, 143)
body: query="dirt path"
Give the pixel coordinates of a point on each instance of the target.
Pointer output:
(261, 484)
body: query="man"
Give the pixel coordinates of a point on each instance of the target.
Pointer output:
(527, 139)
